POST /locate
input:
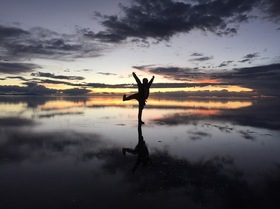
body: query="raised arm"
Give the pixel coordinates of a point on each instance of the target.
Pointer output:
(136, 78)
(151, 81)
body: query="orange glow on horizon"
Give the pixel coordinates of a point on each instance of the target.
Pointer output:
(117, 101)
(206, 112)
(185, 89)
(59, 104)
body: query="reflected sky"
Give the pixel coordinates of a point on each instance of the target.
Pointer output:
(67, 152)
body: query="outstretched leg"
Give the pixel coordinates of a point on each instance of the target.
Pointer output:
(133, 96)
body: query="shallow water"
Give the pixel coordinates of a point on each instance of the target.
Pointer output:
(66, 152)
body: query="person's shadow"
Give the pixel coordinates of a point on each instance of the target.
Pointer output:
(140, 150)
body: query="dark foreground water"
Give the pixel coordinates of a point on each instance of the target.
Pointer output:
(67, 153)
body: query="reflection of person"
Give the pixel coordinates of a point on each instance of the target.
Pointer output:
(142, 95)
(140, 150)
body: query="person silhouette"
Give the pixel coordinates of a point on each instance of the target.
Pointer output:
(142, 95)
(140, 150)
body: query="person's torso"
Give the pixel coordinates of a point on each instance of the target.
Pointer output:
(144, 91)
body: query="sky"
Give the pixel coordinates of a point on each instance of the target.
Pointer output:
(192, 47)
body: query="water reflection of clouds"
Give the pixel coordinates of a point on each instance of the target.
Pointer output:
(59, 104)
(18, 144)
(87, 166)
(197, 135)
(85, 170)
(263, 114)
(167, 178)
(200, 104)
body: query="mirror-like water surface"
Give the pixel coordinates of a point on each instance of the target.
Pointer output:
(67, 153)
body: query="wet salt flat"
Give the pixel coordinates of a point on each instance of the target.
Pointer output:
(66, 152)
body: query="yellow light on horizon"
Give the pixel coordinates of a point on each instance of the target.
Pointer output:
(56, 86)
(205, 88)
(163, 90)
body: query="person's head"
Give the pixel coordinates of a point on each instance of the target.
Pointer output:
(145, 80)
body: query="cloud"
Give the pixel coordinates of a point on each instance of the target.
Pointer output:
(17, 68)
(87, 70)
(63, 77)
(263, 79)
(162, 19)
(17, 77)
(143, 67)
(76, 91)
(201, 59)
(43, 43)
(30, 88)
(103, 36)
(225, 63)
(83, 85)
(174, 73)
(101, 73)
(196, 54)
(49, 81)
(203, 94)
(34, 88)
(272, 9)
(8, 32)
(249, 57)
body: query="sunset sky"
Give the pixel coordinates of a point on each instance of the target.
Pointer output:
(91, 46)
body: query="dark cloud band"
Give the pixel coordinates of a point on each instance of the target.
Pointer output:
(162, 19)
(17, 68)
(63, 77)
(43, 43)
